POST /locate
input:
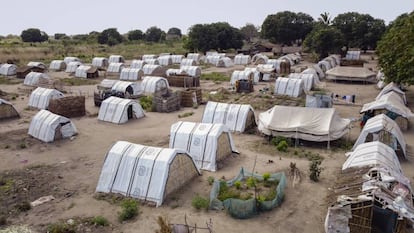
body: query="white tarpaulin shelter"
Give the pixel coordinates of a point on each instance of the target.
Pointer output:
(349, 73)
(373, 154)
(392, 87)
(192, 71)
(176, 59)
(259, 59)
(144, 172)
(242, 75)
(68, 60)
(224, 62)
(37, 64)
(266, 71)
(188, 62)
(152, 84)
(311, 124)
(241, 59)
(119, 110)
(353, 55)
(318, 70)
(206, 143)
(8, 69)
(236, 117)
(324, 65)
(152, 61)
(57, 65)
(375, 126)
(165, 60)
(115, 67)
(316, 80)
(48, 127)
(127, 88)
(194, 56)
(40, 97)
(72, 66)
(308, 80)
(256, 73)
(131, 74)
(289, 87)
(151, 69)
(34, 78)
(391, 102)
(82, 71)
(275, 63)
(116, 59)
(137, 64)
(100, 62)
(149, 56)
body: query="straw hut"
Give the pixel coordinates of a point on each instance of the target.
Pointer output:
(57, 65)
(117, 110)
(237, 117)
(22, 72)
(7, 110)
(207, 144)
(48, 127)
(150, 174)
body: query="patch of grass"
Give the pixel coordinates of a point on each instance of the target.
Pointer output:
(199, 202)
(78, 81)
(23, 206)
(129, 210)
(146, 103)
(22, 145)
(164, 225)
(61, 227)
(99, 221)
(282, 146)
(186, 114)
(6, 185)
(9, 81)
(266, 176)
(215, 77)
(210, 180)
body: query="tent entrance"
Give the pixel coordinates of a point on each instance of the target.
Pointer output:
(130, 112)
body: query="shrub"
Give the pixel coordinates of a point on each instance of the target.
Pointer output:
(251, 182)
(276, 140)
(146, 103)
(61, 228)
(99, 221)
(200, 202)
(266, 176)
(237, 184)
(129, 210)
(210, 180)
(315, 170)
(282, 146)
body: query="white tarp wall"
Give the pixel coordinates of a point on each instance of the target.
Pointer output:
(378, 123)
(233, 116)
(45, 124)
(164, 60)
(100, 62)
(224, 62)
(115, 110)
(72, 66)
(137, 171)
(57, 65)
(68, 60)
(194, 56)
(107, 83)
(116, 59)
(319, 71)
(137, 64)
(152, 61)
(82, 71)
(311, 124)
(131, 74)
(373, 154)
(266, 70)
(200, 140)
(176, 59)
(149, 69)
(289, 87)
(324, 65)
(128, 88)
(331, 61)
(316, 81)
(8, 69)
(115, 67)
(353, 55)
(40, 97)
(392, 87)
(242, 75)
(212, 59)
(241, 59)
(188, 62)
(192, 71)
(152, 84)
(275, 63)
(149, 56)
(306, 78)
(33, 78)
(391, 102)
(256, 73)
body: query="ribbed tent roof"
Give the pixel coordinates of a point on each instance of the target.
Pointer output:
(115, 110)
(390, 101)
(45, 124)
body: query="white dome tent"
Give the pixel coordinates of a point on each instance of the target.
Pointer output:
(57, 65)
(194, 56)
(40, 97)
(153, 84)
(35, 78)
(68, 60)
(152, 70)
(48, 127)
(206, 143)
(116, 59)
(176, 59)
(148, 56)
(118, 110)
(242, 75)
(72, 66)
(137, 64)
(308, 80)
(150, 174)
(131, 74)
(100, 62)
(188, 62)
(152, 61)
(115, 67)
(241, 59)
(37, 64)
(128, 89)
(8, 69)
(289, 87)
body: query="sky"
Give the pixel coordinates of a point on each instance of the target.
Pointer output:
(83, 16)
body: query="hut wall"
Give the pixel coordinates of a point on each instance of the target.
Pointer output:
(7, 112)
(183, 81)
(169, 102)
(182, 171)
(187, 97)
(70, 106)
(223, 147)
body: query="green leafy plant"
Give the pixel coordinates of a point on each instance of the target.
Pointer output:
(282, 146)
(129, 210)
(251, 182)
(200, 202)
(266, 176)
(61, 227)
(237, 184)
(99, 221)
(315, 169)
(210, 180)
(146, 103)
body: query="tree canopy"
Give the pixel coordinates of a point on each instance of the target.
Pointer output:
(324, 39)
(360, 30)
(174, 31)
(249, 31)
(396, 50)
(135, 35)
(286, 27)
(154, 34)
(217, 36)
(33, 35)
(110, 36)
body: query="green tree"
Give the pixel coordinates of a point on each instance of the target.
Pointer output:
(360, 30)
(60, 36)
(33, 35)
(324, 39)
(217, 36)
(153, 34)
(110, 36)
(135, 35)
(175, 32)
(396, 50)
(249, 31)
(286, 27)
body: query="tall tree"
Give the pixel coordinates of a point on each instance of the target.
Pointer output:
(396, 50)
(33, 35)
(324, 39)
(110, 36)
(249, 31)
(286, 27)
(174, 31)
(135, 35)
(153, 34)
(360, 30)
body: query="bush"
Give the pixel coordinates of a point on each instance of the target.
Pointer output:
(200, 202)
(315, 170)
(61, 228)
(266, 176)
(99, 221)
(129, 210)
(146, 103)
(276, 140)
(237, 184)
(210, 180)
(282, 146)
(251, 182)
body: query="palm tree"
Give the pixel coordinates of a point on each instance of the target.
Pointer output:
(325, 18)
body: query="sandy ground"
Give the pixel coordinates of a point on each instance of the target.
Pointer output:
(80, 161)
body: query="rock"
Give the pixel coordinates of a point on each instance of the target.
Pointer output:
(42, 200)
